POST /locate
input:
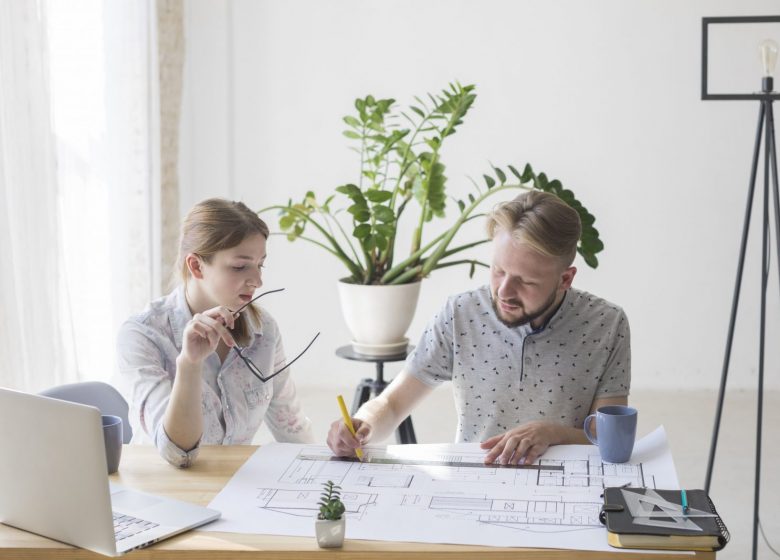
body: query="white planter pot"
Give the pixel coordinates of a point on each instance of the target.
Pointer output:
(330, 534)
(378, 316)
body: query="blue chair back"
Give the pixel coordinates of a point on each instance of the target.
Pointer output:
(98, 394)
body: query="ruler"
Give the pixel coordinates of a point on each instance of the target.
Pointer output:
(370, 460)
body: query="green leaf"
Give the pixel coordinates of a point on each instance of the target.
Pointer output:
(378, 196)
(515, 173)
(591, 260)
(490, 181)
(359, 212)
(587, 218)
(383, 213)
(349, 190)
(556, 187)
(380, 242)
(528, 173)
(362, 231)
(352, 121)
(286, 222)
(351, 134)
(385, 230)
(500, 174)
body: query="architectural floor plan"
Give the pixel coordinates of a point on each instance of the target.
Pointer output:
(440, 493)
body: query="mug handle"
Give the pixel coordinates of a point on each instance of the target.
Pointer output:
(592, 438)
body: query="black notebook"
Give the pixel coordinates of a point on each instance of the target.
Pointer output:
(646, 518)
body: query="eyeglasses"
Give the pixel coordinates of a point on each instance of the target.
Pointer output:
(249, 363)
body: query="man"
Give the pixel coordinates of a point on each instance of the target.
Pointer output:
(529, 356)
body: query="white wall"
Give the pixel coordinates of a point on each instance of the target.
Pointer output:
(602, 95)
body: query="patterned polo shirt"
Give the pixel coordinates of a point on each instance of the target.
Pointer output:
(234, 402)
(503, 377)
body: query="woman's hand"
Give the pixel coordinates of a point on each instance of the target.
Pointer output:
(204, 331)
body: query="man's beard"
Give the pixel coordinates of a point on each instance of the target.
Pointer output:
(527, 317)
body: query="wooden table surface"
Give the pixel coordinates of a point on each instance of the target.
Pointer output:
(143, 469)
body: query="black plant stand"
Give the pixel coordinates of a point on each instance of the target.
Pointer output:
(765, 124)
(369, 387)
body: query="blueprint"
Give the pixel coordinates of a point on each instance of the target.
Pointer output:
(440, 493)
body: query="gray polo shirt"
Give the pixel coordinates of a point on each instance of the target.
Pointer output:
(503, 377)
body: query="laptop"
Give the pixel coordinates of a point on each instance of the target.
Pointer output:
(54, 481)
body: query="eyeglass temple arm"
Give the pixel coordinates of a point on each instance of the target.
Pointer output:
(298, 356)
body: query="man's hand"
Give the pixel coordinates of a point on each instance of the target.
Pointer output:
(342, 442)
(522, 445)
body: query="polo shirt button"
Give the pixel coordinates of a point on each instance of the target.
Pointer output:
(528, 361)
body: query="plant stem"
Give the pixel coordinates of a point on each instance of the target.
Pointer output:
(438, 253)
(346, 237)
(353, 267)
(390, 276)
(464, 247)
(465, 261)
(408, 275)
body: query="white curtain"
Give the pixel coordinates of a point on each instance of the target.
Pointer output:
(34, 330)
(78, 232)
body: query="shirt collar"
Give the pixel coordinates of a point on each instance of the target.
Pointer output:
(527, 328)
(554, 317)
(182, 315)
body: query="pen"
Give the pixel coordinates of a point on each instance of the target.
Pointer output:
(684, 501)
(348, 422)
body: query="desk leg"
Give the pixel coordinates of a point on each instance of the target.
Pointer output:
(362, 394)
(406, 431)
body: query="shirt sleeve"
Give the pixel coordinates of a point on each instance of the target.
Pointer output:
(285, 417)
(431, 360)
(148, 384)
(616, 379)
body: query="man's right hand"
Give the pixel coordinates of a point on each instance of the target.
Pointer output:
(342, 442)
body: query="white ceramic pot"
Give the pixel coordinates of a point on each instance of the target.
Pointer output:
(330, 534)
(378, 316)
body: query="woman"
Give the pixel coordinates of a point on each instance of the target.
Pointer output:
(194, 360)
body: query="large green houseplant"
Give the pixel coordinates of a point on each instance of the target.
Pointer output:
(401, 169)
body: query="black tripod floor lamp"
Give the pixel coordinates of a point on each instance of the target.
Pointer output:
(767, 50)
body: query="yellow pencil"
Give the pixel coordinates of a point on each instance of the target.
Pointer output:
(348, 422)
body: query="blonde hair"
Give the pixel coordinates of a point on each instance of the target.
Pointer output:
(214, 225)
(542, 220)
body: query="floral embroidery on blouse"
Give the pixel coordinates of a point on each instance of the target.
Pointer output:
(234, 401)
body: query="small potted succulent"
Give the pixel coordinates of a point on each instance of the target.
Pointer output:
(330, 524)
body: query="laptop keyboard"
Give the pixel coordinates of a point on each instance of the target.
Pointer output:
(127, 526)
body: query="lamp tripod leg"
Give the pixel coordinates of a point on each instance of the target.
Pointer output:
(769, 158)
(735, 301)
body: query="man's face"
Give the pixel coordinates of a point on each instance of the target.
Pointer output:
(526, 286)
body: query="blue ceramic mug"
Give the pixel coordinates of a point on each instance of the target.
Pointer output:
(112, 435)
(615, 432)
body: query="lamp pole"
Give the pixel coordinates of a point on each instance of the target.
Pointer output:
(768, 50)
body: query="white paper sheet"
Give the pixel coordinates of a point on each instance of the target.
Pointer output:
(425, 493)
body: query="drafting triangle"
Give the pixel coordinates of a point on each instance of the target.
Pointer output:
(647, 508)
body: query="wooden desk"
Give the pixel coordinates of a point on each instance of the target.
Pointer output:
(142, 468)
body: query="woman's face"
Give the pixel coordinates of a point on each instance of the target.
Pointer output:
(233, 275)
